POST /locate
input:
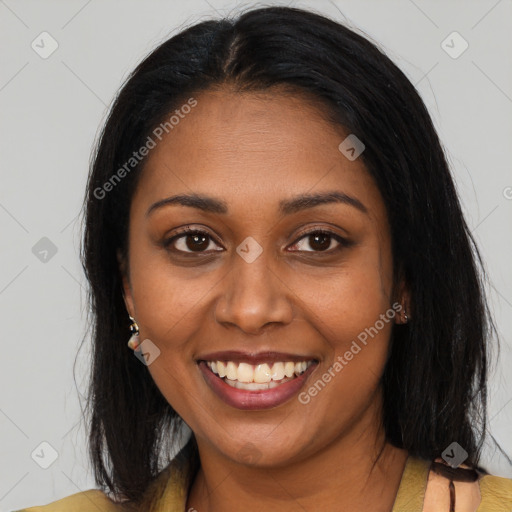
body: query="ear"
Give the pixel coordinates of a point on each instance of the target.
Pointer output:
(403, 297)
(127, 290)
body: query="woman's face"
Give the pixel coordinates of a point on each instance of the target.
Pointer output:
(259, 284)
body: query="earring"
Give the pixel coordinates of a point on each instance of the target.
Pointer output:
(406, 318)
(134, 342)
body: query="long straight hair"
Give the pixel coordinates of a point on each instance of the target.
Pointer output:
(434, 383)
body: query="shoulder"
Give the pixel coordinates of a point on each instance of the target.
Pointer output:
(486, 493)
(85, 501)
(496, 492)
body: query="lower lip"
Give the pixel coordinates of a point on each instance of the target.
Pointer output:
(254, 399)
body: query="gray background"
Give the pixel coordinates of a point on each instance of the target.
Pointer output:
(51, 110)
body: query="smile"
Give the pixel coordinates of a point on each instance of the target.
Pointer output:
(257, 386)
(259, 376)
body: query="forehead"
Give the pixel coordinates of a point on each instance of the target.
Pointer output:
(253, 149)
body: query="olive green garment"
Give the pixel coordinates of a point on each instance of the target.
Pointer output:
(496, 494)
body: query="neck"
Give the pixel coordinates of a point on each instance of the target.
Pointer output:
(357, 471)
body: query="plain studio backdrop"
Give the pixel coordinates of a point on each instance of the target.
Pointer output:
(61, 65)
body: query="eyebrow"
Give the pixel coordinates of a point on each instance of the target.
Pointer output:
(286, 206)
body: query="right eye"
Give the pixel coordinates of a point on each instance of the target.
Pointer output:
(190, 241)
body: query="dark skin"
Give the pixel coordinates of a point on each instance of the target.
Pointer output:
(252, 150)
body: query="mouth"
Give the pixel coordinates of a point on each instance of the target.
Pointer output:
(256, 381)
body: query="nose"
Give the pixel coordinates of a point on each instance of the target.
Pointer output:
(253, 296)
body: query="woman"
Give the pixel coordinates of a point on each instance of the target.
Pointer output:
(271, 217)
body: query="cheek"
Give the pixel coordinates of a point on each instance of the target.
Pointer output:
(351, 299)
(355, 318)
(348, 382)
(168, 300)
(170, 309)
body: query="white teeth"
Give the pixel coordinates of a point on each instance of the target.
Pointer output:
(231, 371)
(263, 374)
(247, 385)
(254, 386)
(221, 368)
(245, 373)
(289, 369)
(277, 371)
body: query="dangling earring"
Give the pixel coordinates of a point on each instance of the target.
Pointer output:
(134, 342)
(406, 318)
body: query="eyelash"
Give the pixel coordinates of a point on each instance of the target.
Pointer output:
(191, 231)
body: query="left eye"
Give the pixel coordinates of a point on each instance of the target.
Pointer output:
(320, 241)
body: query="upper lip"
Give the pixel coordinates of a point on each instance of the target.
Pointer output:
(254, 357)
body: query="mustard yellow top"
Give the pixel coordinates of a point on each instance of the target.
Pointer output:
(495, 492)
